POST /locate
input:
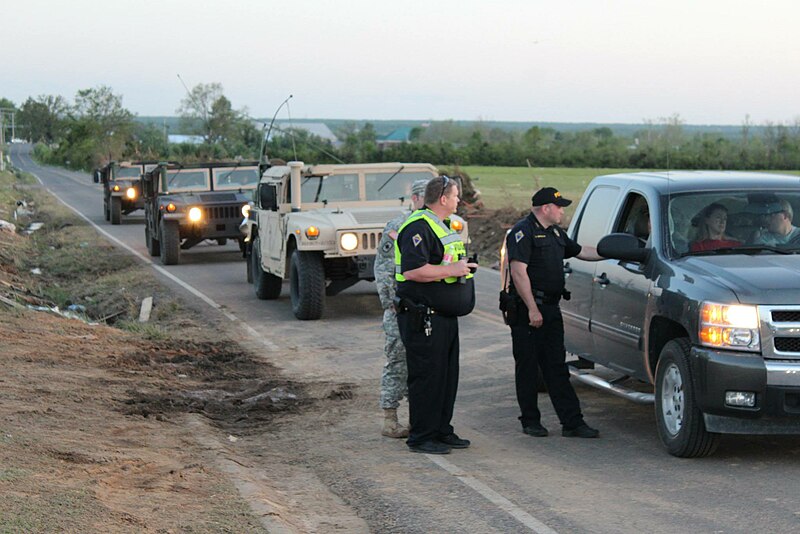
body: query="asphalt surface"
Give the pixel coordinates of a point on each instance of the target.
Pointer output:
(506, 482)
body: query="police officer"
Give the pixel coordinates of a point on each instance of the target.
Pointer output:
(536, 248)
(435, 287)
(394, 379)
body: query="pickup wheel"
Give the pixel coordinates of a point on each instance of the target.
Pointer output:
(307, 284)
(153, 245)
(680, 422)
(267, 286)
(170, 242)
(116, 210)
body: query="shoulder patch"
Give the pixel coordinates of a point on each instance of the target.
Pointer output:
(387, 246)
(417, 239)
(519, 235)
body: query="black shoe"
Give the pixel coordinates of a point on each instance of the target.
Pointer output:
(430, 447)
(582, 431)
(454, 441)
(535, 429)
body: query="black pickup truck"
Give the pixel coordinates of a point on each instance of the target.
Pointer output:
(700, 297)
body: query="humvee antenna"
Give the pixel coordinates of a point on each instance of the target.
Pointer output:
(291, 125)
(196, 102)
(265, 139)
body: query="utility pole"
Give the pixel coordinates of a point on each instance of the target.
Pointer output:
(2, 142)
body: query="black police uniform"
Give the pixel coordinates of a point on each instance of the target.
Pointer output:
(543, 250)
(432, 359)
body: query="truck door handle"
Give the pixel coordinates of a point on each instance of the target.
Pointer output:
(602, 280)
(567, 268)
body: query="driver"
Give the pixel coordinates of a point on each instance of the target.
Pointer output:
(780, 229)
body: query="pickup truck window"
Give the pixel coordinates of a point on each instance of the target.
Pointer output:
(596, 214)
(717, 222)
(635, 217)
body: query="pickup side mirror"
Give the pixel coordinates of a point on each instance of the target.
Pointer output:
(625, 247)
(268, 197)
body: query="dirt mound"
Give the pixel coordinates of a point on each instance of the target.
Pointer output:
(487, 229)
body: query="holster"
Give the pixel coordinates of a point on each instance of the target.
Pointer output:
(513, 308)
(416, 312)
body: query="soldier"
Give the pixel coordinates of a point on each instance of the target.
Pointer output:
(395, 372)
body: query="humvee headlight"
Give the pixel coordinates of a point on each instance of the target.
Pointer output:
(130, 193)
(456, 225)
(195, 214)
(171, 208)
(729, 326)
(115, 188)
(312, 232)
(246, 210)
(348, 241)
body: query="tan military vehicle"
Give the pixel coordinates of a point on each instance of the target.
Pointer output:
(319, 226)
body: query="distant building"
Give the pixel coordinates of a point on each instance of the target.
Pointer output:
(188, 139)
(318, 129)
(395, 137)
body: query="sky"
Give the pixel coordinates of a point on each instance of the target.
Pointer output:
(615, 61)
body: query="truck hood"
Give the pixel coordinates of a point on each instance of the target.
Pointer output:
(350, 218)
(756, 279)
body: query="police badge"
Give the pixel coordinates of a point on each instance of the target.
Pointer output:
(519, 235)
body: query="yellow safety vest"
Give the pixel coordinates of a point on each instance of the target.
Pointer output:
(454, 248)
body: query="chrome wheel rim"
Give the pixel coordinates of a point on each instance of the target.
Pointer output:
(672, 399)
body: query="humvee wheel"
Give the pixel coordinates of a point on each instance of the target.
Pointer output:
(153, 245)
(680, 422)
(116, 210)
(307, 284)
(222, 241)
(267, 286)
(170, 243)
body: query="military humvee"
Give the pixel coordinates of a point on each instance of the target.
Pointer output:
(122, 192)
(319, 226)
(186, 204)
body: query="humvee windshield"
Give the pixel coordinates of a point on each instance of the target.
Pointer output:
(187, 180)
(731, 222)
(236, 178)
(128, 172)
(335, 187)
(382, 186)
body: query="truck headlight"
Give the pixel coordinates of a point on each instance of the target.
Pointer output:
(195, 214)
(115, 188)
(246, 210)
(348, 241)
(130, 193)
(730, 326)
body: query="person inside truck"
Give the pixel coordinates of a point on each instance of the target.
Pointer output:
(779, 228)
(711, 223)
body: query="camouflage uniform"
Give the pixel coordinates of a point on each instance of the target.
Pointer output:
(393, 382)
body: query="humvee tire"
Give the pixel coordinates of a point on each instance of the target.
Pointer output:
(153, 245)
(307, 284)
(170, 242)
(267, 286)
(222, 241)
(116, 210)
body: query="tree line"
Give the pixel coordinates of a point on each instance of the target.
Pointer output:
(95, 128)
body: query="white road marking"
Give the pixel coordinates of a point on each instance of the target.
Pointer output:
(269, 345)
(492, 496)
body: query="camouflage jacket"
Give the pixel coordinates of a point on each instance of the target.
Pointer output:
(384, 261)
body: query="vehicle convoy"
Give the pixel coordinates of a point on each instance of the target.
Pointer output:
(187, 204)
(319, 226)
(700, 297)
(122, 192)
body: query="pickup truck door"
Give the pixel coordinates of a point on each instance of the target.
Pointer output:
(591, 222)
(619, 299)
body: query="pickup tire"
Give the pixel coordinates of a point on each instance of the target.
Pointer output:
(170, 242)
(116, 210)
(267, 286)
(307, 285)
(680, 422)
(153, 245)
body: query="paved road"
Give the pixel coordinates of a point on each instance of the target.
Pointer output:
(507, 482)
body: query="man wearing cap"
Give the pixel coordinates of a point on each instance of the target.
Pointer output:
(536, 248)
(395, 373)
(434, 288)
(780, 229)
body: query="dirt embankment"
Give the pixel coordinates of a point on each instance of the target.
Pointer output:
(93, 423)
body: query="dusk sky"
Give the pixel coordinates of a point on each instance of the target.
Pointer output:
(514, 60)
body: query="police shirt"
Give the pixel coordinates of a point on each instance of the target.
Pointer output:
(418, 246)
(544, 251)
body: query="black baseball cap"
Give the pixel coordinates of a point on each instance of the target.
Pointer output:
(549, 195)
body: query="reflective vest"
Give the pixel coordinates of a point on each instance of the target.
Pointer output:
(454, 248)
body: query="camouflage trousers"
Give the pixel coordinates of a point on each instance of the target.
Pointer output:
(394, 382)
